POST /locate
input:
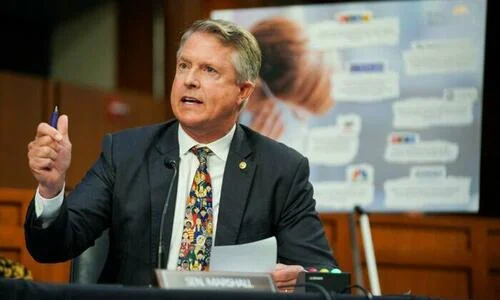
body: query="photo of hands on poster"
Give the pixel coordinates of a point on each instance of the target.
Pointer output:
(383, 98)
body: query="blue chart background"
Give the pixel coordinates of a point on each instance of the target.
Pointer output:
(417, 21)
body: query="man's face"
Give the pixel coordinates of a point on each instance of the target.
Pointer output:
(205, 95)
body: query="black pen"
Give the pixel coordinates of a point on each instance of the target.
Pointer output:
(53, 117)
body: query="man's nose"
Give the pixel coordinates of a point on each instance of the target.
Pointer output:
(192, 80)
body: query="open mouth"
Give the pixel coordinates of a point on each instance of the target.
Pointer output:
(191, 100)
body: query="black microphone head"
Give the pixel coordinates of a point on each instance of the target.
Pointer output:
(171, 164)
(359, 210)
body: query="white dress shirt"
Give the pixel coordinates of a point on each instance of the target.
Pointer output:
(187, 168)
(48, 209)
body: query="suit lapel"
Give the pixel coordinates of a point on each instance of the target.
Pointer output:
(160, 177)
(237, 180)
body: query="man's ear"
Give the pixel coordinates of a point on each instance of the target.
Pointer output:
(246, 89)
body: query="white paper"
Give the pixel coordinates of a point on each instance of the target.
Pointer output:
(375, 32)
(427, 185)
(335, 145)
(440, 56)
(342, 195)
(365, 87)
(406, 147)
(256, 257)
(357, 189)
(424, 113)
(455, 108)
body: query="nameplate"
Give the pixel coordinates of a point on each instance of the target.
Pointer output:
(214, 280)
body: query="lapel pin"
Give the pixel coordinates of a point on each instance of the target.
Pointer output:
(243, 165)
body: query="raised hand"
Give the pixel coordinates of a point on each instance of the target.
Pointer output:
(49, 156)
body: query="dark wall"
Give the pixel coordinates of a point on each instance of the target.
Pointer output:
(26, 28)
(25, 44)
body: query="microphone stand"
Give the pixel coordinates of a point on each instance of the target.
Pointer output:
(171, 165)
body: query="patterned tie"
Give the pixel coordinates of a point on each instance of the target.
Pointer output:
(194, 253)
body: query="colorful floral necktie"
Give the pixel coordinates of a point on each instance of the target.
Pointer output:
(194, 253)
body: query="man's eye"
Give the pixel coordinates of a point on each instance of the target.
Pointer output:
(182, 65)
(210, 70)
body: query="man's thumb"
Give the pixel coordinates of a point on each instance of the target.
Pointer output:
(62, 125)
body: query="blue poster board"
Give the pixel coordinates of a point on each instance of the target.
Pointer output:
(384, 98)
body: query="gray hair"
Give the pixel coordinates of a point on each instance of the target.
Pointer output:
(248, 59)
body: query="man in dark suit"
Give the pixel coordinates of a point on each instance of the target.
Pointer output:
(254, 187)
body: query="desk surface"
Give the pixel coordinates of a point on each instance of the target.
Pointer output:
(24, 289)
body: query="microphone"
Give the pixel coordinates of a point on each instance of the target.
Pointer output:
(171, 164)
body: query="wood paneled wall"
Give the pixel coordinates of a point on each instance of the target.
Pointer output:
(13, 205)
(23, 101)
(93, 113)
(444, 256)
(135, 46)
(27, 101)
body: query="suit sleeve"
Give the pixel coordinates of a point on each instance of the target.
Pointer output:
(84, 214)
(301, 238)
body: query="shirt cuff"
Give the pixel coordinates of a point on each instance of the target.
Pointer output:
(48, 209)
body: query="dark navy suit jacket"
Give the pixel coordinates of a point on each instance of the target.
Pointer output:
(126, 189)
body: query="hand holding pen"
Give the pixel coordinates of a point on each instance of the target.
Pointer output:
(49, 154)
(54, 117)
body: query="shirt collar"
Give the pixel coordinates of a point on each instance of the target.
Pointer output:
(219, 147)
